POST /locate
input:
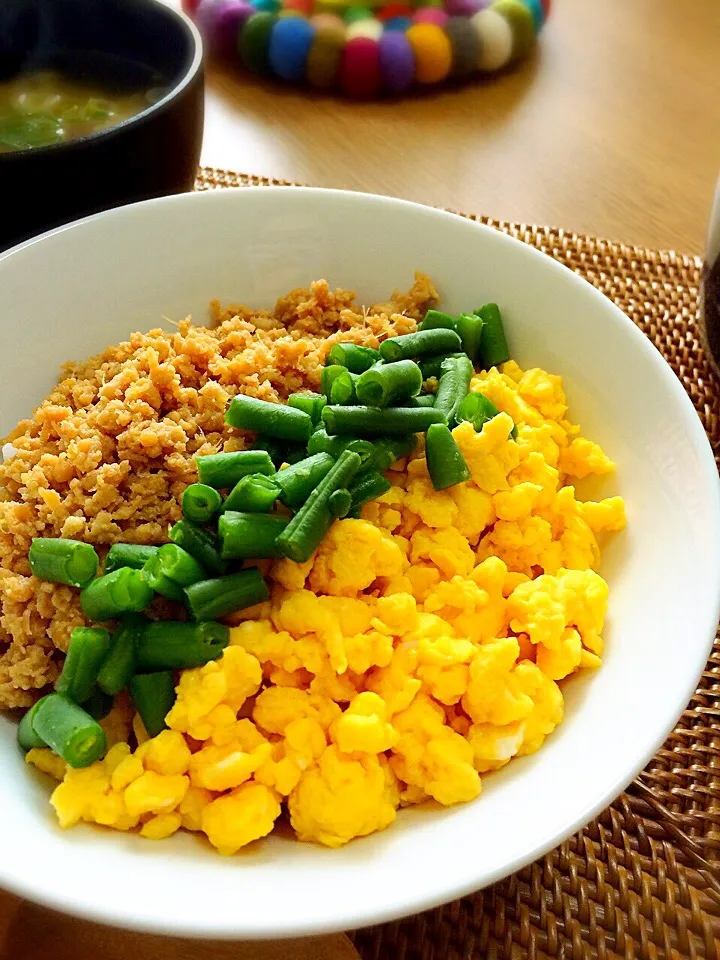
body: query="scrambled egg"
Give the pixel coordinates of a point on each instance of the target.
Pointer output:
(419, 649)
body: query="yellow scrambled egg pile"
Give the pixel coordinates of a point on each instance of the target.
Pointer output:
(420, 648)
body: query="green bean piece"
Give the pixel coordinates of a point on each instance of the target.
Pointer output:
(380, 422)
(435, 320)
(308, 527)
(212, 599)
(99, 705)
(389, 449)
(179, 565)
(297, 481)
(328, 377)
(71, 562)
(493, 345)
(255, 493)
(160, 582)
(200, 544)
(453, 386)
(153, 695)
(123, 591)
(343, 387)
(390, 383)
(200, 502)
(431, 366)
(272, 419)
(357, 359)
(171, 645)
(119, 664)
(275, 448)
(133, 555)
(424, 400)
(310, 403)
(69, 731)
(340, 502)
(26, 736)
(223, 470)
(367, 487)
(446, 464)
(320, 442)
(422, 343)
(478, 409)
(470, 327)
(88, 649)
(246, 536)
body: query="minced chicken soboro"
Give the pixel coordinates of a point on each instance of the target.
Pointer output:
(106, 457)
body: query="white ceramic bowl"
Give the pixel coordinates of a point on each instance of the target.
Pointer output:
(81, 288)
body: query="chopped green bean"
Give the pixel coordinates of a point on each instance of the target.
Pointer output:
(357, 359)
(328, 377)
(223, 470)
(454, 384)
(71, 562)
(423, 400)
(422, 343)
(255, 493)
(296, 482)
(340, 502)
(470, 327)
(161, 583)
(26, 736)
(390, 449)
(200, 544)
(434, 320)
(99, 705)
(172, 645)
(246, 536)
(310, 524)
(85, 656)
(69, 731)
(493, 345)
(367, 487)
(478, 409)
(310, 403)
(179, 565)
(119, 664)
(200, 502)
(295, 454)
(212, 599)
(431, 366)
(271, 419)
(153, 695)
(446, 464)
(379, 421)
(123, 591)
(320, 442)
(389, 383)
(133, 555)
(343, 387)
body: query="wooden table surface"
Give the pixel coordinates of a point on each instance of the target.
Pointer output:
(612, 129)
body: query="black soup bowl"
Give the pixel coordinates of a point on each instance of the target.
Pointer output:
(154, 153)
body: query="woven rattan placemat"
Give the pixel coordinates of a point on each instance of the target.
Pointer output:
(643, 880)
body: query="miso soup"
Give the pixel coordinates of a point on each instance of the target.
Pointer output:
(45, 107)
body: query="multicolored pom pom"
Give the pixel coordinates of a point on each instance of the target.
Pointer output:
(365, 51)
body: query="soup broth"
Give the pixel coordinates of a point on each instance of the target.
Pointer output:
(44, 108)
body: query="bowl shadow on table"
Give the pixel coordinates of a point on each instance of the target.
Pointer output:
(513, 82)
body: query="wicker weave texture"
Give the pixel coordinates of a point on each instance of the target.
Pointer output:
(643, 880)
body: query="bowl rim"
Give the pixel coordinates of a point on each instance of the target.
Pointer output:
(356, 916)
(193, 69)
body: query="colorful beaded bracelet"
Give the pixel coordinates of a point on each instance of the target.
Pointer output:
(369, 51)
